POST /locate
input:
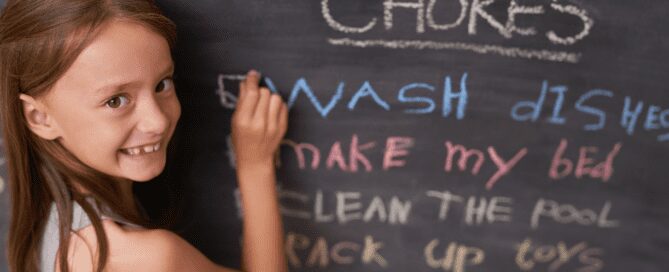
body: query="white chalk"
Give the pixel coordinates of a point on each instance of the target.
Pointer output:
(512, 52)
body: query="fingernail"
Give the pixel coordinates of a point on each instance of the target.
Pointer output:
(253, 72)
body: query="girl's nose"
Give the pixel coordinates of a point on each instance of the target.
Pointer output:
(152, 118)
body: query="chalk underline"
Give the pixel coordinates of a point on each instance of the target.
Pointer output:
(663, 138)
(512, 52)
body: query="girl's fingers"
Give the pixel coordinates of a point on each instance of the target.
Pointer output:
(253, 94)
(273, 113)
(248, 98)
(283, 119)
(274, 107)
(263, 105)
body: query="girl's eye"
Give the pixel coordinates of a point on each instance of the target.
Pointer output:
(117, 102)
(164, 84)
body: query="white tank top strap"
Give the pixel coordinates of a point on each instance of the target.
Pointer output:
(80, 220)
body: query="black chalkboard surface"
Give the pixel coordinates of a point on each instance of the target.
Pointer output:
(435, 135)
(438, 135)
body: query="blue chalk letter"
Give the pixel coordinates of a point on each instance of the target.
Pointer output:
(302, 86)
(592, 110)
(419, 99)
(629, 116)
(652, 118)
(664, 118)
(535, 106)
(449, 95)
(556, 118)
(270, 85)
(367, 90)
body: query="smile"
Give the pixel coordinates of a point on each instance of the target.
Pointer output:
(140, 150)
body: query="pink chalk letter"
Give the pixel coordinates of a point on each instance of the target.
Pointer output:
(503, 167)
(396, 147)
(464, 157)
(558, 161)
(299, 151)
(337, 157)
(356, 155)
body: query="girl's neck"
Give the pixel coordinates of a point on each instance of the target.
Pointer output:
(126, 196)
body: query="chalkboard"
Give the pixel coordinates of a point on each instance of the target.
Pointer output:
(561, 108)
(434, 135)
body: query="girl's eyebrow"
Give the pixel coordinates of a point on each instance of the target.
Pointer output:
(113, 87)
(103, 91)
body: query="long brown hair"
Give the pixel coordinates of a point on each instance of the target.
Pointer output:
(39, 41)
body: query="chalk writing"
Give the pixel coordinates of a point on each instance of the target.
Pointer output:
(227, 99)
(529, 256)
(477, 210)
(355, 159)
(349, 207)
(450, 96)
(453, 100)
(656, 118)
(585, 165)
(456, 257)
(322, 254)
(343, 207)
(477, 12)
(569, 214)
(505, 51)
(357, 155)
(420, 99)
(503, 167)
(360, 155)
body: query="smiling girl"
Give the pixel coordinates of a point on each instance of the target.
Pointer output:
(88, 107)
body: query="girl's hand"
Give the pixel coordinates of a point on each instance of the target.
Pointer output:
(258, 124)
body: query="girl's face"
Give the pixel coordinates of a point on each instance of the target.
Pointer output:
(116, 108)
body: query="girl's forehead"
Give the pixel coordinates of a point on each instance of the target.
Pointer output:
(124, 43)
(121, 53)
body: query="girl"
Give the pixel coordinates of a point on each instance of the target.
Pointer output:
(88, 107)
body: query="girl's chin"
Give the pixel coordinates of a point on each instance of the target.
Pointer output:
(143, 179)
(142, 168)
(146, 174)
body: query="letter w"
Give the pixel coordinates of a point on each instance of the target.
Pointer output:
(302, 86)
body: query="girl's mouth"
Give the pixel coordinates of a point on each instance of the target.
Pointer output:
(141, 150)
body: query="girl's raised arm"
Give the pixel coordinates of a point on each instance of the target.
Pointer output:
(258, 125)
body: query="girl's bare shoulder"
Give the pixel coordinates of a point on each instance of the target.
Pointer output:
(137, 250)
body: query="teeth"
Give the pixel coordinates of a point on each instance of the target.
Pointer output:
(142, 149)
